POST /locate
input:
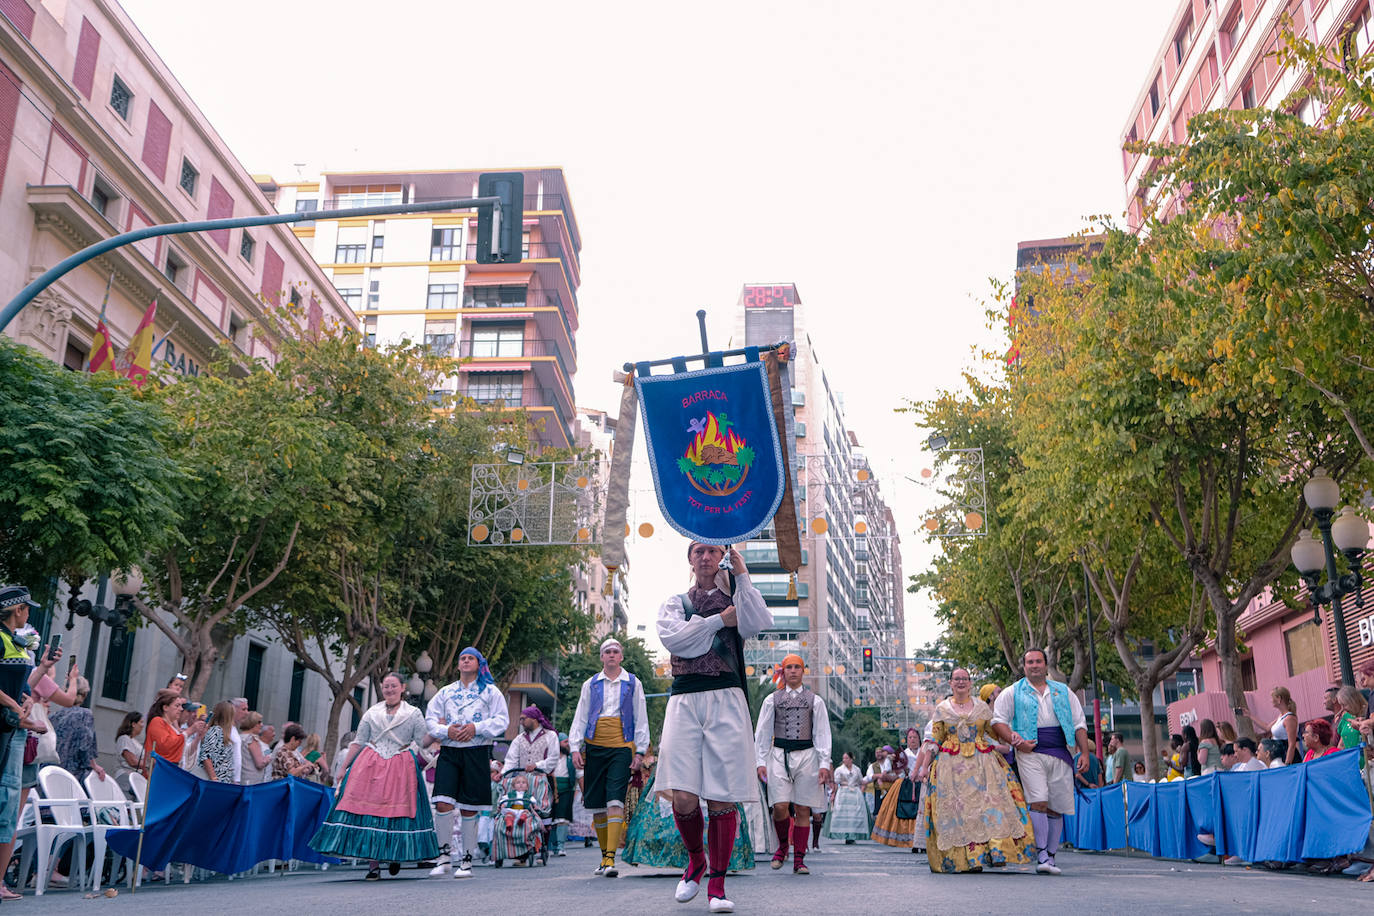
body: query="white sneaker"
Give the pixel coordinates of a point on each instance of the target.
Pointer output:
(561, 853)
(600, 870)
(722, 905)
(464, 868)
(686, 889)
(439, 870)
(1048, 867)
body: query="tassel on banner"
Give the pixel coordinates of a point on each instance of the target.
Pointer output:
(610, 580)
(792, 588)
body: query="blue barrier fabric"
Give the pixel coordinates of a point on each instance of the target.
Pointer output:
(225, 828)
(1314, 810)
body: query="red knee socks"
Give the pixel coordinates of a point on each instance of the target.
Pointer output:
(720, 839)
(783, 829)
(801, 838)
(689, 827)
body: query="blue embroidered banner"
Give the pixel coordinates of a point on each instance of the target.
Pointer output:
(713, 446)
(1315, 810)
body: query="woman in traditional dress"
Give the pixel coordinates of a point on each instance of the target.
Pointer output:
(848, 818)
(895, 824)
(382, 813)
(975, 816)
(652, 838)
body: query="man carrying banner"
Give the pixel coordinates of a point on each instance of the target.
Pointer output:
(1041, 719)
(465, 717)
(706, 748)
(792, 750)
(612, 724)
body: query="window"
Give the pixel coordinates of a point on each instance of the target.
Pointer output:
(1247, 95)
(237, 330)
(103, 198)
(75, 356)
(1183, 40)
(442, 296)
(378, 240)
(119, 657)
(498, 340)
(1234, 31)
(524, 244)
(1307, 111)
(295, 297)
(374, 294)
(352, 297)
(121, 99)
(252, 673)
(488, 387)
(1357, 39)
(370, 331)
(1247, 675)
(445, 244)
(190, 177)
(304, 205)
(494, 297)
(1303, 645)
(1154, 98)
(370, 195)
(174, 268)
(439, 337)
(293, 707)
(246, 245)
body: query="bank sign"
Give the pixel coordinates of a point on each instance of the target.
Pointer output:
(1365, 628)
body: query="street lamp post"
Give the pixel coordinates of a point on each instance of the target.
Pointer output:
(1349, 534)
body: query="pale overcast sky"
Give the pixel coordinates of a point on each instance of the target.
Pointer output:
(884, 157)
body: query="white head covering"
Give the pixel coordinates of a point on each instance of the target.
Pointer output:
(609, 642)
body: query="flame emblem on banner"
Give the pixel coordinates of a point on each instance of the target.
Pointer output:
(717, 460)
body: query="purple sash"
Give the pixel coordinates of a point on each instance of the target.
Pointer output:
(1049, 739)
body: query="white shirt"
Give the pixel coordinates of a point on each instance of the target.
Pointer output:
(1276, 763)
(876, 769)
(236, 752)
(820, 729)
(1004, 709)
(1248, 766)
(540, 749)
(610, 708)
(456, 704)
(692, 637)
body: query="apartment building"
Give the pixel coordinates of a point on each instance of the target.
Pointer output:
(1220, 54)
(511, 329)
(849, 591)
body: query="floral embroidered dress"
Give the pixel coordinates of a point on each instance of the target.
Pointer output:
(975, 814)
(382, 812)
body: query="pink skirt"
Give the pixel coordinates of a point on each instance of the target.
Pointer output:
(380, 788)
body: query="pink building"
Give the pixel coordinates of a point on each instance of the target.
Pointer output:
(1221, 54)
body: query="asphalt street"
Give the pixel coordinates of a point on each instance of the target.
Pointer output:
(863, 878)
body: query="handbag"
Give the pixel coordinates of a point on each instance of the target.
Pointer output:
(908, 809)
(30, 748)
(46, 752)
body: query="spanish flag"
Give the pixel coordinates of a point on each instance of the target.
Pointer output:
(139, 356)
(102, 352)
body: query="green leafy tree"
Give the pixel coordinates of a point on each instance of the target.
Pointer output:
(87, 483)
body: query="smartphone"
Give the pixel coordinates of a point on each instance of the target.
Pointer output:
(54, 644)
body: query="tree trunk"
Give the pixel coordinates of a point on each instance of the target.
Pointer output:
(331, 732)
(1149, 737)
(1228, 656)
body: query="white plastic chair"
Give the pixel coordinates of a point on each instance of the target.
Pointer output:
(66, 801)
(107, 796)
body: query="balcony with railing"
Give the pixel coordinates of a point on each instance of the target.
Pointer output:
(536, 677)
(777, 591)
(513, 349)
(758, 557)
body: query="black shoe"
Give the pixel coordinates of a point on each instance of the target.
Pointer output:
(394, 869)
(373, 875)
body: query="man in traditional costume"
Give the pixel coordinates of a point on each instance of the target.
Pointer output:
(466, 717)
(382, 811)
(608, 737)
(792, 753)
(707, 741)
(1041, 719)
(535, 749)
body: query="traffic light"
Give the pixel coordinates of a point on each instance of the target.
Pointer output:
(510, 187)
(868, 659)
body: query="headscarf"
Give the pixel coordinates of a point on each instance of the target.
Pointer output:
(793, 659)
(484, 677)
(537, 714)
(985, 692)
(608, 642)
